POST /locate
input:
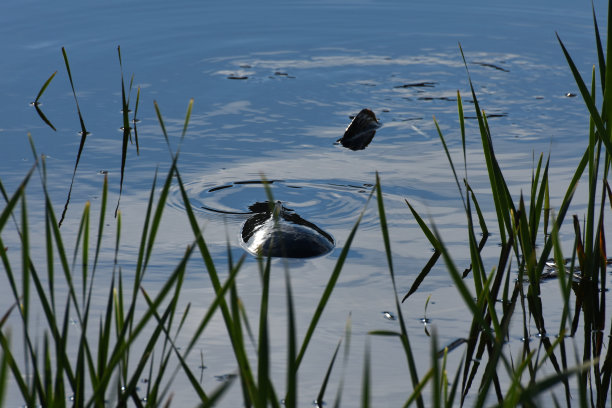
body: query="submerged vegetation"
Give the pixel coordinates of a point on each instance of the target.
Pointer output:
(100, 361)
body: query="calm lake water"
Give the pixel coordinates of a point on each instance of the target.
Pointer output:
(304, 69)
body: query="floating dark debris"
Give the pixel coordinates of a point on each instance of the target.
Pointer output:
(256, 182)
(361, 131)
(437, 98)
(488, 65)
(237, 77)
(489, 116)
(219, 188)
(417, 85)
(225, 377)
(406, 119)
(282, 75)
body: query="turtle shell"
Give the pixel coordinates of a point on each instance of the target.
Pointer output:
(277, 231)
(361, 131)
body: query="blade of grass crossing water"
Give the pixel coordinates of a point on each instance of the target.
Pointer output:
(404, 333)
(128, 337)
(563, 208)
(84, 134)
(292, 389)
(36, 102)
(497, 188)
(263, 350)
(586, 96)
(365, 385)
(25, 264)
(600, 53)
(126, 130)
(607, 91)
(436, 382)
(239, 352)
(462, 128)
(135, 121)
(347, 344)
(331, 284)
(434, 258)
(319, 402)
(450, 160)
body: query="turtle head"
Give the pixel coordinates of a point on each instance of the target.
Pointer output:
(277, 210)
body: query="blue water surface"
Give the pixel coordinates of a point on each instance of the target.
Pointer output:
(274, 86)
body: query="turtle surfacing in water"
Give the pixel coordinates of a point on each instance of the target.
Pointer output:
(280, 232)
(361, 131)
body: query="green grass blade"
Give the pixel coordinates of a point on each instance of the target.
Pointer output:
(135, 121)
(600, 54)
(187, 117)
(291, 398)
(424, 272)
(126, 130)
(330, 284)
(320, 397)
(36, 102)
(263, 347)
(588, 100)
(404, 332)
(101, 223)
(365, 385)
(462, 127)
(450, 160)
(45, 85)
(347, 346)
(84, 134)
(217, 394)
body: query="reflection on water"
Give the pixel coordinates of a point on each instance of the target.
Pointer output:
(278, 231)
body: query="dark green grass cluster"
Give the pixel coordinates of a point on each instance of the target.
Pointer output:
(113, 352)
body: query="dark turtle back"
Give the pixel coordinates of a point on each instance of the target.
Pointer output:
(361, 131)
(279, 232)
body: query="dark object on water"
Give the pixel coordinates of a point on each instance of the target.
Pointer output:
(361, 131)
(279, 232)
